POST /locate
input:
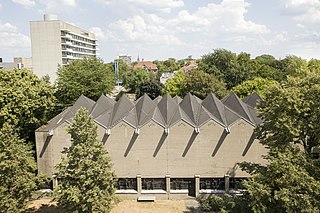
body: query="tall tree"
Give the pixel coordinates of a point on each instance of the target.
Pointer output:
(174, 86)
(89, 76)
(134, 78)
(290, 111)
(25, 101)
(86, 177)
(152, 88)
(259, 85)
(288, 183)
(17, 171)
(201, 84)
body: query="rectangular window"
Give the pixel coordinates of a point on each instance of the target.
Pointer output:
(153, 183)
(212, 183)
(126, 184)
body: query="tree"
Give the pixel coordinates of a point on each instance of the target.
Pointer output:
(86, 178)
(259, 85)
(134, 78)
(201, 84)
(174, 86)
(17, 171)
(152, 88)
(25, 101)
(288, 183)
(228, 66)
(291, 113)
(89, 76)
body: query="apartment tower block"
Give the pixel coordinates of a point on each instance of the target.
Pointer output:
(55, 42)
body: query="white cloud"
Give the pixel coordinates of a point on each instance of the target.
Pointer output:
(13, 38)
(163, 5)
(302, 10)
(26, 3)
(57, 5)
(100, 35)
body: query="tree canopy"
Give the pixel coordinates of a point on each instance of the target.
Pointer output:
(288, 183)
(152, 88)
(85, 174)
(174, 85)
(89, 76)
(25, 101)
(201, 84)
(17, 171)
(259, 85)
(290, 111)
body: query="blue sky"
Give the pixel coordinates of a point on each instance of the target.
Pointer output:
(159, 29)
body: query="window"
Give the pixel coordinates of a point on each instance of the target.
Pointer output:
(126, 183)
(212, 183)
(180, 183)
(236, 183)
(153, 183)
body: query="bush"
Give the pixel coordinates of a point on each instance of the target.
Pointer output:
(225, 203)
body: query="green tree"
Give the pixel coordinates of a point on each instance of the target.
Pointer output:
(201, 84)
(174, 86)
(152, 88)
(133, 79)
(17, 171)
(259, 85)
(265, 59)
(288, 183)
(89, 76)
(86, 177)
(25, 101)
(290, 111)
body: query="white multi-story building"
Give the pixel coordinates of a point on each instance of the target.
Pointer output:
(55, 43)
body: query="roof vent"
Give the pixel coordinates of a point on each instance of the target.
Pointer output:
(166, 130)
(137, 131)
(50, 133)
(227, 130)
(197, 130)
(50, 17)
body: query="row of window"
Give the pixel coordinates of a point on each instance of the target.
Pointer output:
(80, 38)
(179, 183)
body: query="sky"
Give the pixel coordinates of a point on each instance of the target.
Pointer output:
(162, 29)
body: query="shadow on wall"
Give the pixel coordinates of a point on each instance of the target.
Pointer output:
(161, 142)
(45, 145)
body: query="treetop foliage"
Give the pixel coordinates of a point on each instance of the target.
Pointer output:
(85, 174)
(89, 76)
(25, 100)
(17, 171)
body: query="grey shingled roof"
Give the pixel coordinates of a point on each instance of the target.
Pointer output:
(121, 110)
(166, 111)
(103, 105)
(252, 100)
(177, 99)
(216, 108)
(142, 113)
(82, 102)
(194, 110)
(237, 105)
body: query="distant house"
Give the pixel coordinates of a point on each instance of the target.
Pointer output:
(148, 65)
(191, 65)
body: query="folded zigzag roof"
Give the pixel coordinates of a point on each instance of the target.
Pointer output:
(166, 111)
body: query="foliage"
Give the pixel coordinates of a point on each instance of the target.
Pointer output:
(174, 86)
(201, 84)
(133, 79)
(89, 76)
(25, 101)
(86, 177)
(259, 85)
(152, 88)
(288, 183)
(226, 203)
(169, 65)
(17, 171)
(291, 112)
